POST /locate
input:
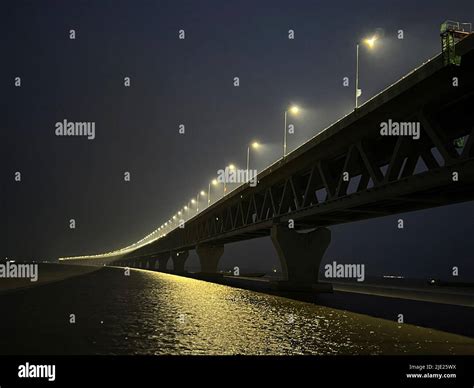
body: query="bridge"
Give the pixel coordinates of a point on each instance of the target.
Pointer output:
(353, 170)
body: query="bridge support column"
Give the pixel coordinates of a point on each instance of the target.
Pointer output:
(163, 261)
(179, 258)
(300, 255)
(152, 263)
(209, 256)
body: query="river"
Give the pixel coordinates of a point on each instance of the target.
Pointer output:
(107, 312)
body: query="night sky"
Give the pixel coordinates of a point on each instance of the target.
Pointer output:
(190, 82)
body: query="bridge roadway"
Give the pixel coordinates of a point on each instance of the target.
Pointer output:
(308, 188)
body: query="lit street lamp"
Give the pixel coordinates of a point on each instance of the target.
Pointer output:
(214, 182)
(230, 167)
(293, 109)
(255, 146)
(370, 43)
(202, 193)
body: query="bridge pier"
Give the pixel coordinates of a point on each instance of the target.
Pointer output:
(300, 255)
(163, 261)
(151, 263)
(209, 256)
(179, 258)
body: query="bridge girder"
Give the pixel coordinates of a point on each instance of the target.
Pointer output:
(387, 174)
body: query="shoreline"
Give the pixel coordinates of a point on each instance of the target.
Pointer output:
(47, 273)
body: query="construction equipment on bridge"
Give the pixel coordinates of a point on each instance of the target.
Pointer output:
(451, 33)
(459, 143)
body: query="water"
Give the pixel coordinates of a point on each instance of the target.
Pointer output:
(156, 313)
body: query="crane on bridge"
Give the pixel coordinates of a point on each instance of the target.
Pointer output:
(451, 33)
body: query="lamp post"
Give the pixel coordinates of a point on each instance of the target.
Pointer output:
(201, 193)
(370, 43)
(254, 145)
(214, 183)
(293, 109)
(230, 167)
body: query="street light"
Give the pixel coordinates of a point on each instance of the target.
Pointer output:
(214, 182)
(370, 43)
(191, 202)
(255, 145)
(294, 110)
(202, 194)
(230, 167)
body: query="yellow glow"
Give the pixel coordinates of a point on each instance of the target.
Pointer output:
(370, 42)
(174, 217)
(179, 213)
(231, 167)
(214, 182)
(193, 201)
(255, 145)
(202, 192)
(185, 208)
(294, 109)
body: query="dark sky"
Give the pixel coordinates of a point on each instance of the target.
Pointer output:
(191, 82)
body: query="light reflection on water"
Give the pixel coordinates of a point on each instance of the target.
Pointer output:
(168, 314)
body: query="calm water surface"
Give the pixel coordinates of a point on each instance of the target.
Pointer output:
(156, 313)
